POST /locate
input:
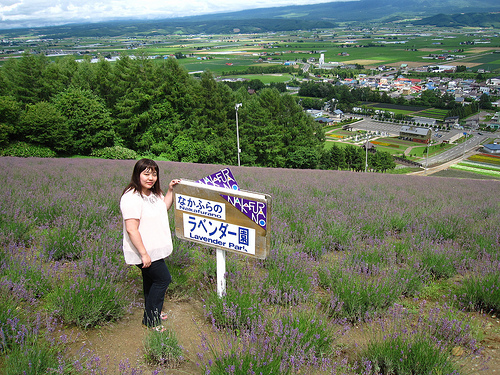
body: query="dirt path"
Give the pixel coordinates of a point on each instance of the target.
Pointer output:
(122, 341)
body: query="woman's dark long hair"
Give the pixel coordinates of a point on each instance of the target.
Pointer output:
(135, 181)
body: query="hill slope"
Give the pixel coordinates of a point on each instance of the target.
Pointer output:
(287, 18)
(362, 10)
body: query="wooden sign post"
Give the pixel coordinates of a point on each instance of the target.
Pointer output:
(229, 220)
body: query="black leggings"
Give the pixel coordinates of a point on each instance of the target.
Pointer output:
(155, 281)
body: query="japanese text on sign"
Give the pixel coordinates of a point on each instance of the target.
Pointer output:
(200, 206)
(220, 234)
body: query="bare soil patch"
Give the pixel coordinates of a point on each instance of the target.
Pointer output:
(122, 342)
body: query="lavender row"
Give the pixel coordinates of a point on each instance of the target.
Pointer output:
(347, 248)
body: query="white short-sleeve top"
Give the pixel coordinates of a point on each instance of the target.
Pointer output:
(153, 226)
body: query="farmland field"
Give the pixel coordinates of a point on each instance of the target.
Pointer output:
(489, 62)
(439, 114)
(359, 263)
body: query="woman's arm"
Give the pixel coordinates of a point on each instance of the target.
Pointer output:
(169, 197)
(132, 228)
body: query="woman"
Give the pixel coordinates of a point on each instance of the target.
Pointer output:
(146, 235)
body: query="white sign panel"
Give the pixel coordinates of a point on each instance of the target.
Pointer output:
(220, 234)
(200, 206)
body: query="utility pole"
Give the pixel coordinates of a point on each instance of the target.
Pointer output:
(238, 105)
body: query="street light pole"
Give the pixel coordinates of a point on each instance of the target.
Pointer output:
(366, 152)
(427, 156)
(238, 105)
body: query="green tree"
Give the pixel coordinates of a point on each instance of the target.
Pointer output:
(354, 158)
(88, 120)
(273, 126)
(280, 86)
(256, 84)
(10, 111)
(485, 102)
(25, 76)
(101, 80)
(216, 120)
(150, 115)
(43, 124)
(334, 158)
(58, 76)
(303, 158)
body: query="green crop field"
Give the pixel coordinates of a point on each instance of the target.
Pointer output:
(438, 114)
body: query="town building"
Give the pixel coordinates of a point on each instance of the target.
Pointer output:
(415, 134)
(492, 148)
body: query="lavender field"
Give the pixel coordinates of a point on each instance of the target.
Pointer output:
(368, 273)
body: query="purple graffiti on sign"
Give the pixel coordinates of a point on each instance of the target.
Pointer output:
(223, 178)
(256, 211)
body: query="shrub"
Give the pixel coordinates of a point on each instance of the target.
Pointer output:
(438, 264)
(402, 355)
(115, 152)
(9, 321)
(32, 358)
(87, 302)
(238, 307)
(289, 278)
(234, 310)
(65, 243)
(26, 150)
(481, 292)
(28, 277)
(315, 332)
(15, 226)
(424, 349)
(162, 348)
(264, 347)
(357, 294)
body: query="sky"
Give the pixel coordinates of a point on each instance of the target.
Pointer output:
(32, 13)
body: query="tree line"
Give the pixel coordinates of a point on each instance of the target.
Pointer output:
(151, 106)
(154, 108)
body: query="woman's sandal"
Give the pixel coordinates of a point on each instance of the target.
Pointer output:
(163, 316)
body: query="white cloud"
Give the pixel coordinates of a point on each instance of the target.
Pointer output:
(30, 13)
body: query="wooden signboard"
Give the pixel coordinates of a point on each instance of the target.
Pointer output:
(231, 220)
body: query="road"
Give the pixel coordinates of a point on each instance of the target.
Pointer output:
(459, 151)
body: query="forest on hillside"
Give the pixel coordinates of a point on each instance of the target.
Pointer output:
(150, 107)
(140, 106)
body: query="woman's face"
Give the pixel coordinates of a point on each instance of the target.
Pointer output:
(148, 178)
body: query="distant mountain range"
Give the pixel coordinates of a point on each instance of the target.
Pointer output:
(362, 10)
(304, 17)
(462, 20)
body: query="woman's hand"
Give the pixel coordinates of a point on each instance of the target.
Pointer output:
(146, 260)
(169, 196)
(173, 183)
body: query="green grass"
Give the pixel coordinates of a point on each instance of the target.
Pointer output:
(439, 114)
(477, 170)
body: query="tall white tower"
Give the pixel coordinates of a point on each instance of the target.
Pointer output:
(321, 59)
